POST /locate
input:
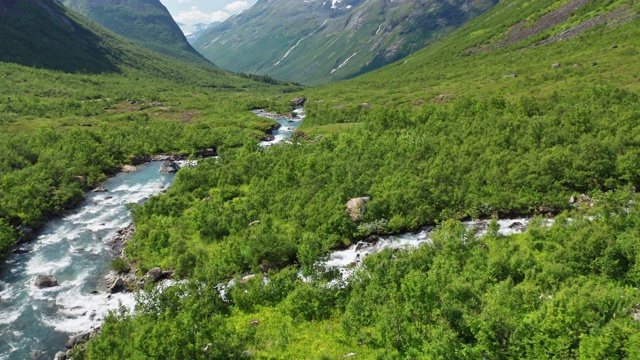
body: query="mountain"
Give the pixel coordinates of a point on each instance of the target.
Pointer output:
(193, 32)
(318, 41)
(77, 81)
(509, 52)
(145, 22)
(72, 44)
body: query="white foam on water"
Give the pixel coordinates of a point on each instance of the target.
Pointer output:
(7, 292)
(287, 128)
(64, 233)
(78, 312)
(348, 260)
(38, 265)
(11, 314)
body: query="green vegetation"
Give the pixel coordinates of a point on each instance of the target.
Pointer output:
(563, 292)
(58, 142)
(64, 132)
(444, 135)
(470, 63)
(488, 148)
(119, 265)
(324, 43)
(145, 22)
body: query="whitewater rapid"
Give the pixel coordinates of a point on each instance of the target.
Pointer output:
(36, 323)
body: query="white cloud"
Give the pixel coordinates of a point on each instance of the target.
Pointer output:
(196, 15)
(236, 6)
(183, 1)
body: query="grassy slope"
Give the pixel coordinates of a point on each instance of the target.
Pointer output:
(563, 293)
(449, 68)
(92, 86)
(145, 22)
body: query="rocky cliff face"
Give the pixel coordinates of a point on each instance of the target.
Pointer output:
(145, 22)
(316, 41)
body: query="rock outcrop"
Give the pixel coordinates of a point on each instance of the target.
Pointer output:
(129, 168)
(153, 276)
(78, 339)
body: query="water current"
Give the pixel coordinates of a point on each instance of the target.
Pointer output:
(36, 323)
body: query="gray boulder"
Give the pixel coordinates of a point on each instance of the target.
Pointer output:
(169, 167)
(129, 168)
(46, 281)
(60, 355)
(356, 207)
(153, 276)
(78, 339)
(117, 286)
(298, 101)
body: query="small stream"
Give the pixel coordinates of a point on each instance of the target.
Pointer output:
(287, 125)
(347, 261)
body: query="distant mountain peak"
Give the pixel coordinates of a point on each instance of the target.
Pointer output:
(316, 41)
(145, 22)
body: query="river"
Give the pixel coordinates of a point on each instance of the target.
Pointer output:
(36, 323)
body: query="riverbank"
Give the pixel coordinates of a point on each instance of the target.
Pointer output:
(75, 250)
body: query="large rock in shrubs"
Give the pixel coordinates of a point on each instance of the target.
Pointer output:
(356, 207)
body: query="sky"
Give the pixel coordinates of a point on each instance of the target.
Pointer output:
(204, 11)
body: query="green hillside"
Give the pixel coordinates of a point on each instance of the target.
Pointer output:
(145, 22)
(479, 124)
(319, 41)
(77, 101)
(515, 113)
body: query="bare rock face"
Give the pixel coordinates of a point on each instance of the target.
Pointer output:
(356, 207)
(46, 281)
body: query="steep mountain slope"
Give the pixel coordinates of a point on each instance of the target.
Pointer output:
(145, 22)
(509, 52)
(73, 43)
(317, 41)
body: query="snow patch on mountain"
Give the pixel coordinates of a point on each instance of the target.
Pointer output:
(298, 43)
(343, 63)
